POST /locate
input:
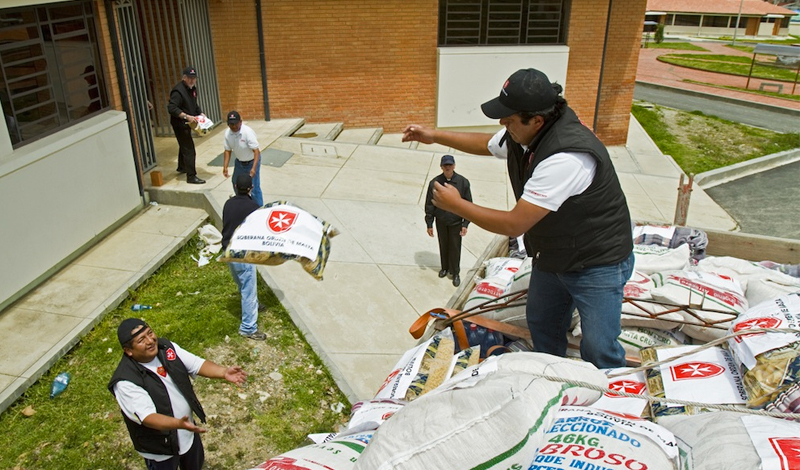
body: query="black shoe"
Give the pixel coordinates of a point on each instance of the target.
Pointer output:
(443, 273)
(181, 170)
(195, 180)
(456, 280)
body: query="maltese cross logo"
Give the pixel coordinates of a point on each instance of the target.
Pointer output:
(280, 220)
(788, 449)
(755, 323)
(625, 386)
(171, 354)
(695, 370)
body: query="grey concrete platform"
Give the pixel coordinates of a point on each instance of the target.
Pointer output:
(383, 268)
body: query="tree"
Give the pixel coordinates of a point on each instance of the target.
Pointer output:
(659, 38)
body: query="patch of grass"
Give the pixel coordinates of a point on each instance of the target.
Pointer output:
(790, 39)
(731, 65)
(758, 92)
(198, 308)
(700, 143)
(748, 49)
(682, 46)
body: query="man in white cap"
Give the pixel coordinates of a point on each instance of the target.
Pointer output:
(450, 228)
(570, 207)
(241, 141)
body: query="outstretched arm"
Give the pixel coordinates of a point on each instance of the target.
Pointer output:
(476, 143)
(233, 374)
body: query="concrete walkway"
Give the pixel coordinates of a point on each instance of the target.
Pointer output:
(382, 272)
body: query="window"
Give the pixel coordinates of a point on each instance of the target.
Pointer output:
(687, 20)
(50, 75)
(502, 22)
(716, 21)
(670, 19)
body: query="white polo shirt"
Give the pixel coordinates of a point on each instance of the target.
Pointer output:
(556, 179)
(241, 143)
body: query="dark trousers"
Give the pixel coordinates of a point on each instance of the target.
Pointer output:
(186, 152)
(191, 460)
(449, 247)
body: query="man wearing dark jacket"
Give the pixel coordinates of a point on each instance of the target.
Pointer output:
(570, 207)
(153, 387)
(184, 109)
(449, 227)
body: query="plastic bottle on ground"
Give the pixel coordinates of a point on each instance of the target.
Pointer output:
(139, 307)
(59, 384)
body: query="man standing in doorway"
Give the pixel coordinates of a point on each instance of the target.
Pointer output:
(184, 109)
(241, 140)
(570, 206)
(449, 227)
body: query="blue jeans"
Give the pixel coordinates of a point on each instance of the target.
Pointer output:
(239, 168)
(597, 293)
(246, 279)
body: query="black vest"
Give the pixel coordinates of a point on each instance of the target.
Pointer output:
(589, 229)
(188, 103)
(148, 439)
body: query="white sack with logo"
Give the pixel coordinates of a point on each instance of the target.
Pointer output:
(499, 278)
(713, 441)
(493, 415)
(777, 441)
(586, 437)
(279, 232)
(340, 453)
(639, 308)
(627, 382)
(771, 361)
(370, 414)
(202, 125)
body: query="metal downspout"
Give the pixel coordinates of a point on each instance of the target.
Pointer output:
(260, 23)
(115, 47)
(602, 68)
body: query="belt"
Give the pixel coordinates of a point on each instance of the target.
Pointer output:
(246, 163)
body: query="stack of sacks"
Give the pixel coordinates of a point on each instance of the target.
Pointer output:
(635, 338)
(760, 283)
(590, 438)
(694, 374)
(727, 440)
(492, 416)
(502, 276)
(771, 361)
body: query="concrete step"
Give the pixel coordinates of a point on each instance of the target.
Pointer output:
(367, 135)
(395, 140)
(320, 131)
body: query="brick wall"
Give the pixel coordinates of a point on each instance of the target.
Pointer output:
(105, 46)
(362, 62)
(587, 31)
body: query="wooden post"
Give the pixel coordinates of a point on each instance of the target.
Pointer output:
(682, 207)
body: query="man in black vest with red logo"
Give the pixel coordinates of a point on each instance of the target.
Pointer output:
(570, 208)
(153, 387)
(184, 109)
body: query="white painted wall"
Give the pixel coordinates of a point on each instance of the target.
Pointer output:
(470, 76)
(59, 193)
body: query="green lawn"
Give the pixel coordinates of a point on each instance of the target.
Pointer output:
(732, 65)
(198, 308)
(682, 46)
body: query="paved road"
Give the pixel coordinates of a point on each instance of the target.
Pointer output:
(767, 203)
(775, 121)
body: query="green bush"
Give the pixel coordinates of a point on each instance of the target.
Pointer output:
(659, 37)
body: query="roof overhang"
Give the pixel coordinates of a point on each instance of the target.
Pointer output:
(773, 15)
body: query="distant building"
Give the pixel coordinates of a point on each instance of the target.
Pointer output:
(720, 17)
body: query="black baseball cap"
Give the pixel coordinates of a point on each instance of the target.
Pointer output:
(448, 160)
(525, 90)
(234, 117)
(243, 183)
(125, 330)
(190, 71)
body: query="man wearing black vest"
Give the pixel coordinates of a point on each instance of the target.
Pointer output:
(570, 208)
(183, 110)
(153, 388)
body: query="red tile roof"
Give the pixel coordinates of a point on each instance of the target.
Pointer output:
(724, 7)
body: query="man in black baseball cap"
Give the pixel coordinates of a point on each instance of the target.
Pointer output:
(570, 208)
(153, 387)
(184, 108)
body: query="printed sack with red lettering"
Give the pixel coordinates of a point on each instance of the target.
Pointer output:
(589, 438)
(279, 232)
(771, 360)
(713, 441)
(340, 453)
(639, 308)
(713, 301)
(777, 441)
(498, 279)
(491, 416)
(370, 414)
(760, 283)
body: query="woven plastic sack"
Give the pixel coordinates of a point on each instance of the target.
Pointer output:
(280, 232)
(340, 453)
(491, 416)
(202, 125)
(639, 309)
(650, 259)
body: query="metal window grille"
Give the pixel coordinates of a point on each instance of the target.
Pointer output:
(50, 73)
(502, 22)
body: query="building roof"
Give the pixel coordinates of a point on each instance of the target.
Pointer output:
(722, 7)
